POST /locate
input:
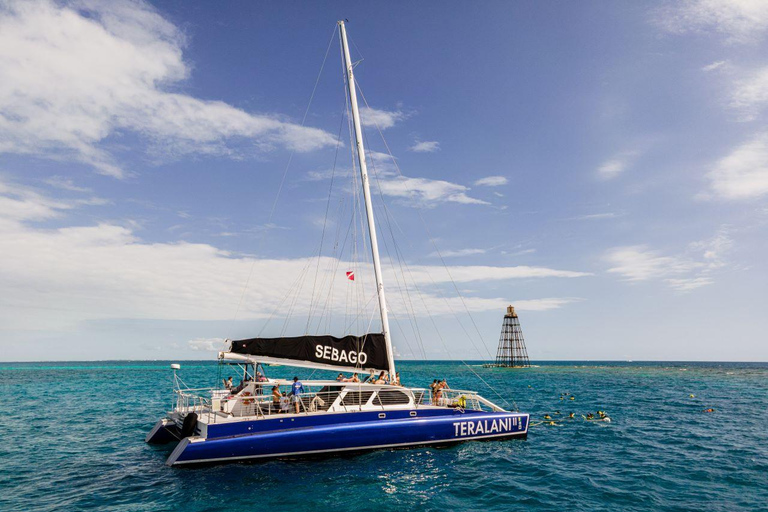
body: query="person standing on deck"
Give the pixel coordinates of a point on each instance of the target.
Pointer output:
(297, 388)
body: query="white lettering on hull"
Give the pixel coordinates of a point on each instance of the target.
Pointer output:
(481, 427)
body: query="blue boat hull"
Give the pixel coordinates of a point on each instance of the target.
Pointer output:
(347, 432)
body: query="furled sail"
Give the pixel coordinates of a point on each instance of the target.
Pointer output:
(357, 353)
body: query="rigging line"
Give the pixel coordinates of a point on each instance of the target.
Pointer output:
(402, 332)
(285, 173)
(400, 287)
(359, 296)
(446, 267)
(295, 299)
(333, 271)
(410, 314)
(429, 234)
(402, 297)
(410, 310)
(325, 222)
(329, 278)
(280, 305)
(328, 305)
(359, 314)
(440, 337)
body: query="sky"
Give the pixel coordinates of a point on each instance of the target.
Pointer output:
(174, 174)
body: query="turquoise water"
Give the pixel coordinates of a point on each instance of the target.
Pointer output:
(73, 439)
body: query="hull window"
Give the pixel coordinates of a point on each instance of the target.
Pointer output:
(356, 398)
(391, 397)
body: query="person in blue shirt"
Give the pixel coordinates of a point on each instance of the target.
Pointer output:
(297, 388)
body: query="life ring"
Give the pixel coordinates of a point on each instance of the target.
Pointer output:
(247, 401)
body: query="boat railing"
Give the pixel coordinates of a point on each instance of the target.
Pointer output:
(463, 399)
(193, 400)
(260, 403)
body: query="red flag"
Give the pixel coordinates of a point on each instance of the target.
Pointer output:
(351, 275)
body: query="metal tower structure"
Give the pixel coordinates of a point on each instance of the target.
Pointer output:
(512, 352)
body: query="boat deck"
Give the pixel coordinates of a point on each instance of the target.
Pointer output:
(255, 401)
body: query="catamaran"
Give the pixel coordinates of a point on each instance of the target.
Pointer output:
(258, 420)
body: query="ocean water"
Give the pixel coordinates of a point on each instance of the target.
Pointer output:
(72, 438)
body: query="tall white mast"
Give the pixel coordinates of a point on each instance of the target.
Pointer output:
(367, 195)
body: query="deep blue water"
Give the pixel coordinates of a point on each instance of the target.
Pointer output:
(71, 438)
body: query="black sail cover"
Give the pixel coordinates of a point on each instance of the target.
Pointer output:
(368, 351)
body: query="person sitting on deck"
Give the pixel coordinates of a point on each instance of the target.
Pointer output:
(353, 378)
(239, 387)
(228, 383)
(297, 388)
(396, 380)
(340, 378)
(382, 379)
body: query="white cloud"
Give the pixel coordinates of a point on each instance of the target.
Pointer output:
(613, 167)
(74, 74)
(423, 192)
(686, 285)
(207, 344)
(639, 263)
(744, 173)
(543, 304)
(521, 252)
(382, 119)
(59, 278)
(63, 183)
(427, 192)
(457, 253)
(468, 274)
(598, 216)
(683, 273)
(492, 181)
(740, 21)
(425, 146)
(714, 249)
(713, 66)
(750, 94)
(19, 203)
